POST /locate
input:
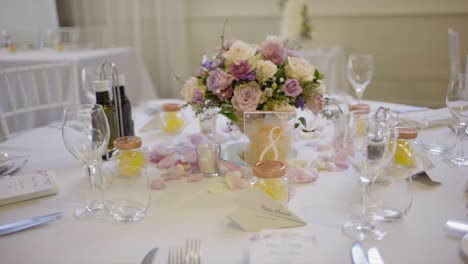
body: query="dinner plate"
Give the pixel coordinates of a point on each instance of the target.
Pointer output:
(464, 244)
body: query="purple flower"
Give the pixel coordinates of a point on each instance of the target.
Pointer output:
(300, 103)
(273, 49)
(225, 94)
(293, 53)
(242, 71)
(218, 80)
(207, 64)
(198, 96)
(292, 88)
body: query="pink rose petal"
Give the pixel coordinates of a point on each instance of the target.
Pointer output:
(157, 184)
(168, 161)
(173, 176)
(195, 177)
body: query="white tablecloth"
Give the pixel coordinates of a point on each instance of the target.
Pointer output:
(186, 210)
(139, 85)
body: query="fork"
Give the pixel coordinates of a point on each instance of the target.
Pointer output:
(192, 252)
(175, 256)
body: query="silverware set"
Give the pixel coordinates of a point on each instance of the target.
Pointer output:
(11, 165)
(191, 254)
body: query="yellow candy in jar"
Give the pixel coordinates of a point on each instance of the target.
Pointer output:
(404, 154)
(270, 178)
(172, 120)
(129, 156)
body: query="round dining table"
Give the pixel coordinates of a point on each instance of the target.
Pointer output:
(187, 210)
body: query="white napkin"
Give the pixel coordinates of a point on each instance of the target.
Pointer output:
(427, 118)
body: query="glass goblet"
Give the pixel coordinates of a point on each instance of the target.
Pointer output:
(457, 103)
(360, 70)
(85, 132)
(368, 145)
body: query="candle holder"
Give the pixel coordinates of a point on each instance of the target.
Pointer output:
(208, 158)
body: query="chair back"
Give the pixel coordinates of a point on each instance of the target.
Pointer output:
(35, 96)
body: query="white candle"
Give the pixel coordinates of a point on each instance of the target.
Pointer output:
(208, 158)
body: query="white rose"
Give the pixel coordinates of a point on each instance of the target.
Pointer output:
(300, 69)
(265, 70)
(190, 86)
(321, 89)
(239, 51)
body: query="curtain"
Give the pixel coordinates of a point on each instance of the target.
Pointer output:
(155, 28)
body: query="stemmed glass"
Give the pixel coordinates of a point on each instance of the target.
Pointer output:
(368, 144)
(85, 132)
(360, 72)
(457, 103)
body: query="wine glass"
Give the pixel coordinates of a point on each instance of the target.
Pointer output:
(457, 103)
(368, 144)
(85, 132)
(360, 72)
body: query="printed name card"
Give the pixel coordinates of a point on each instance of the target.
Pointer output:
(27, 186)
(270, 247)
(259, 211)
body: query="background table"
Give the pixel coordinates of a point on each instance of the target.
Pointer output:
(186, 210)
(139, 85)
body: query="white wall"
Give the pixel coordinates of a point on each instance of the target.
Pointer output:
(28, 19)
(408, 38)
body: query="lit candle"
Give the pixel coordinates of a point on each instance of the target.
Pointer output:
(208, 158)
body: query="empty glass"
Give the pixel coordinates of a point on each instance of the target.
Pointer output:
(368, 146)
(457, 103)
(85, 132)
(360, 71)
(128, 193)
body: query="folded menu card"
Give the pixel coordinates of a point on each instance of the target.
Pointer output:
(259, 211)
(283, 247)
(430, 117)
(27, 186)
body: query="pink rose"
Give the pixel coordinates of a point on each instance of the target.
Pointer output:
(292, 88)
(246, 97)
(315, 103)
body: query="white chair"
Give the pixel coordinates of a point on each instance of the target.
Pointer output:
(35, 96)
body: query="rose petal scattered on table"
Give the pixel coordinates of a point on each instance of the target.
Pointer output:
(217, 188)
(157, 184)
(195, 177)
(235, 181)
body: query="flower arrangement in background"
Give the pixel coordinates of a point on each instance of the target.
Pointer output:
(295, 21)
(248, 77)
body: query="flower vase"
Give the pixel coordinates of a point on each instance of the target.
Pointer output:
(269, 136)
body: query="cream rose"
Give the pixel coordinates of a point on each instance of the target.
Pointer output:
(189, 88)
(239, 51)
(265, 70)
(321, 89)
(300, 69)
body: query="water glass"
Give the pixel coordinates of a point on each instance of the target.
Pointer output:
(437, 139)
(128, 194)
(360, 70)
(208, 158)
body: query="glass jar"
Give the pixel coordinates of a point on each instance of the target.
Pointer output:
(171, 119)
(407, 147)
(270, 177)
(129, 156)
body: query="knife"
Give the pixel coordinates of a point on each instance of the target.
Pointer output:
(456, 228)
(149, 256)
(28, 223)
(357, 254)
(374, 256)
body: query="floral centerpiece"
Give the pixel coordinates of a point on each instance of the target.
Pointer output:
(248, 77)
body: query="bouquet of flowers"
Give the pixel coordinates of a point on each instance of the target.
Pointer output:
(247, 77)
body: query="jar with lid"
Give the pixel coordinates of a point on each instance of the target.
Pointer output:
(407, 147)
(270, 177)
(129, 155)
(172, 121)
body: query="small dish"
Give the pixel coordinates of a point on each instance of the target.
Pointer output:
(464, 244)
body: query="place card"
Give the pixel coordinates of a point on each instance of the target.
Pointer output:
(284, 247)
(257, 211)
(27, 186)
